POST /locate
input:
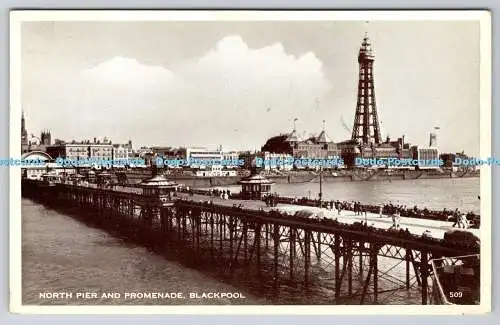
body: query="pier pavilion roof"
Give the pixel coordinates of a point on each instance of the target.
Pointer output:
(156, 181)
(255, 179)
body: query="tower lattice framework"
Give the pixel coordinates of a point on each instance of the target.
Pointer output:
(366, 128)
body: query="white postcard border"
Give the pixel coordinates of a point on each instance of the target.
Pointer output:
(16, 19)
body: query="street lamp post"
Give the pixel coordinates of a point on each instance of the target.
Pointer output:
(320, 185)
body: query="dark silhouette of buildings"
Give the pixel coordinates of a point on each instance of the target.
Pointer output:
(24, 135)
(45, 138)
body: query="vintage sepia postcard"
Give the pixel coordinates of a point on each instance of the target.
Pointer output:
(250, 162)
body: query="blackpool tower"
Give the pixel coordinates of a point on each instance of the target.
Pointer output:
(366, 128)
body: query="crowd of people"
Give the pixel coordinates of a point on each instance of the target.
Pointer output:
(271, 200)
(223, 194)
(462, 220)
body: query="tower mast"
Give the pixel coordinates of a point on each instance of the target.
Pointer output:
(366, 128)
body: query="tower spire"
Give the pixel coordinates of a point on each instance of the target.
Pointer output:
(366, 128)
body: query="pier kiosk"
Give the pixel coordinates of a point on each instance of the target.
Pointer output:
(255, 186)
(157, 191)
(104, 179)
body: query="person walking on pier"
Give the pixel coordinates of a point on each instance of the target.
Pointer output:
(456, 217)
(396, 217)
(465, 221)
(339, 207)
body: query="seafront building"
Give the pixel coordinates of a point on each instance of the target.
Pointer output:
(82, 150)
(96, 149)
(292, 145)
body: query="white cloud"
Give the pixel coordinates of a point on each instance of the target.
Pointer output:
(233, 95)
(121, 72)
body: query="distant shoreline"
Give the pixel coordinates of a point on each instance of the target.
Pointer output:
(294, 177)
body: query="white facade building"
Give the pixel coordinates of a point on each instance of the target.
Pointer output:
(198, 157)
(276, 161)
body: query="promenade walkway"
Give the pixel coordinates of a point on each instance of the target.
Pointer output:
(416, 226)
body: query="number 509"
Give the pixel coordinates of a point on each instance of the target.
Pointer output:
(456, 294)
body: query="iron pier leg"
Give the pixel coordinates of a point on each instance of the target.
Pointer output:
(318, 253)
(257, 245)
(170, 231)
(415, 269)
(179, 229)
(407, 258)
(230, 228)
(349, 266)
(337, 268)
(276, 242)
(307, 257)
(267, 236)
(198, 232)
(361, 269)
(292, 251)
(224, 226)
(212, 235)
(184, 227)
(220, 234)
(193, 227)
(367, 281)
(245, 242)
(424, 270)
(375, 271)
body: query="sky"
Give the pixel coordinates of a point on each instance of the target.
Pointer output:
(236, 84)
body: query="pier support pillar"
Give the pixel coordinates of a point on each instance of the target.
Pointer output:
(307, 257)
(184, 227)
(361, 246)
(212, 235)
(374, 252)
(349, 266)
(292, 252)
(266, 227)
(407, 259)
(221, 232)
(276, 242)
(245, 242)
(231, 244)
(337, 268)
(424, 272)
(318, 253)
(198, 232)
(257, 245)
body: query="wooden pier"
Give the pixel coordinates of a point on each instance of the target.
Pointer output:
(266, 244)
